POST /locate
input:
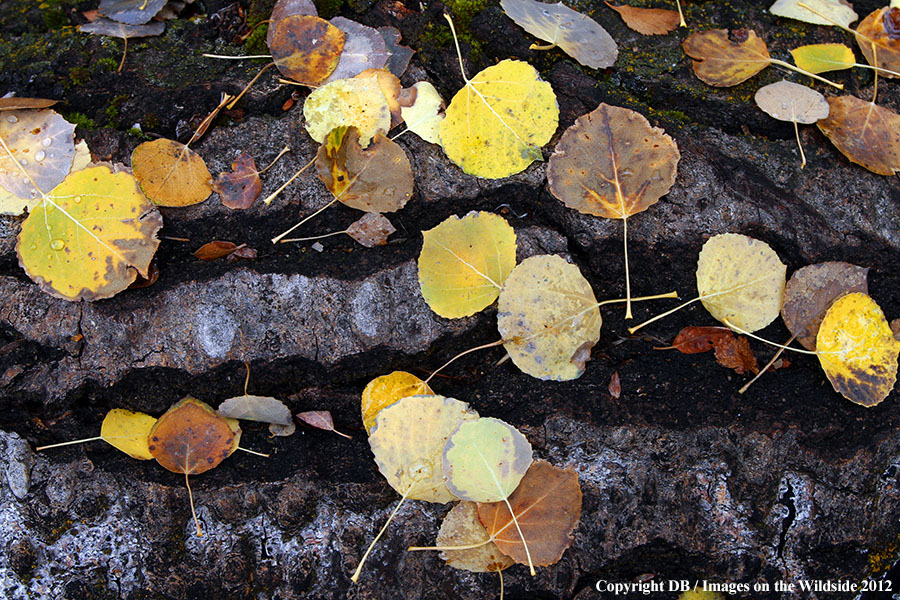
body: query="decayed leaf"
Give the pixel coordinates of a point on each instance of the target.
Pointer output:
(128, 431)
(648, 21)
(485, 459)
(132, 12)
(820, 58)
(576, 34)
(191, 438)
(11, 204)
(370, 230)
(354, 102)
(734, 352)
(240, 187)
(110, 28)
(496, 124)
(42, 142)
(723, 62)
(423, 117)
(464, 263)
(810, 292)
(867, 134)
(170, 173)
(264, 409)
(399, 54)
(364, 48)
(882, 28)
(740, 280)
(408, 441)
(375, 179)
(547, 504)
(548, 318)
(306, 48)
(857, 349)
(15, 103)
(839, 12)
(214, 250)
(320, 419)
(387, 389)
(288, 8)
(390, 87)
(615, 385)
(695, 339)
(788, 101)
(461, 527)
(89, 237)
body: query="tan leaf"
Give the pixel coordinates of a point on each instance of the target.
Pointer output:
(170, 173)
(865, 133)
(722, 60)
(370, 230)
(648, 21)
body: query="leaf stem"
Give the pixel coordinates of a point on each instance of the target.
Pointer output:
(362, 561)
(451, 548)
(627, 278)
(278, 238)
(191, 498)
(253, 452)
(73, 442)
(765, 341)
(522, 536)
(226, 57)
(315, 237)
(272, 196)
(631, 330)
(683, 23)
(461, 354)
(765, 368)
(124, 52)
(249, 85)
(788, 65)
(284, 151)
(799, 145)
(458, 53)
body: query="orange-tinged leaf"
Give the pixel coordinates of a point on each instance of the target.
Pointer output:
(387, 389)
(695, 339)
(15, 103)
(191, 438)
(306, 48)
(734, 352)
(461, 527)
(215, 249)
(240, 187)
(882, 28)
(723, 60)
(867, 134)
(547, 504)
(648, 21)
(170, 173)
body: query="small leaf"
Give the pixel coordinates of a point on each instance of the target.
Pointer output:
(128, 431)
(734, 352)
(424, 116)
(170, 173)
(370, 230)
(214, 250)
(320, 419)
(615, 385)
(648, 21)
(240, 187)
(387, 389)
(723, 62)
(364, 48)
(461, 527)
(881, 28)
(696, 339)
(867, 134)
(838, 12)
(820, 58)
(16, 103)
(191, 438)
(792, 102)
(354, 102)
(264, 409)
(306, 48)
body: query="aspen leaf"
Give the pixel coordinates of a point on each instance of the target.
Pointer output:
(128, 431)
(867, 134)
(306, 48)
(387, 389)
(464, 263)
(123, 31)
(426, 113)
(648, 21)
(576, 34)
(820, 58)
(612, 163)
(496, 124)
(722, 61)
(320, 419)
(548, 318)
(170, 173)
(191, 438)
(288, 8)
(390, 87)
(132, 12)
(838, 12)
(364, 48)
(16, 103)
(375, 179)
(354, 102)
(408, 441)
(734, 352)
(42, 142)
(788, 101)
(264, 409)
(370, 230)
(461, 527)
(90, 237)
(547, 505)
(696, 339)
(240, 187)
(215, 250)
(881, 28)
(857, 349)
(811, 291)
(485, 459)
(399, 54)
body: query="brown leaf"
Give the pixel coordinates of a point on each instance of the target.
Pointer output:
(400, 54)
(191, 438)
(320, 419)
(722, 62)
(867, 134)
(25, 103)
(214, 250)
(812, 290)
(372, 229)
(695, 339)
(734, 352)
(150, 279)
(648, 21)
(547, 505)
(306, 48)
(242, 253)
(240, 187)
(881, 27)
(615, 385)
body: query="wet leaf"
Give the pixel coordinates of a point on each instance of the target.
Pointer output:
(170, 173)
(242, 253)
(128, 431)
(865, 133)
(408, 442)
(857, 350)
(576, 34)
(695, 339)
(191, 438)
(91, 236)
(461, 527)
(740, 280)
(320, 419)
(721, 62)
(370, 230)
(399, 54)
(15, 103)
(495, 126)
(820, 58)
(306, 48)
(648, 21)
(734, 352)
(424, 116)
(882, 28)
(132, 12)
(811, 291)
(364, 49)
(43, 143)
(839, 12)
(240, 187)
(115, 29)
(354, 102)
(375, 179)
(547, 504)
(387, 389)
(788, 101)
(464, 263)
(288, 8)
(548, 318)
(264, 409)
(485, 459)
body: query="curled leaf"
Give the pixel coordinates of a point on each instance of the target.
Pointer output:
(648, 21)
(16, 103)
(214, 250)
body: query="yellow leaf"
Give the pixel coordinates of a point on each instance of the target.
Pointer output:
(357, 102)
(170, 173)
(722, 61)
(857, 349)
(425, 115)
(838, 12)
(820, 58)
(128, 431)
(496, 124)
(90, 237)
(464, 262)
(387, 389)
(548, 318)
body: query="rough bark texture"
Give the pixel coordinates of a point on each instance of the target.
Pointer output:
(682, 477)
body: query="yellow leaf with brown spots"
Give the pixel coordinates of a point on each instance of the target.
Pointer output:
(881, 28)
(865, 133)
(191, 438)
(306, 48)
(724, 60)
(170, 173)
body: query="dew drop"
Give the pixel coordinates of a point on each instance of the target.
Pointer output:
(57, 245)
(50, 154)
(23, 162)
(39, 156)
(77, 199)
(46, 142)
(25, 180)
(12, 118)
(34, 246)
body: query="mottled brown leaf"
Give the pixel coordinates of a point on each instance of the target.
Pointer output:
(865, 133)
(242, 253)
(721, 62)
(648, 21)
(240, 187)
(695, 339)
(615, 385)
(288, 8)
(370, 230)
(320, 419)
(882, 28)
(191, 438)
(734, 352)
(306, 48)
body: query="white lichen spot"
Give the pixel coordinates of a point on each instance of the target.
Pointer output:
(365, 309)
(216, 330)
